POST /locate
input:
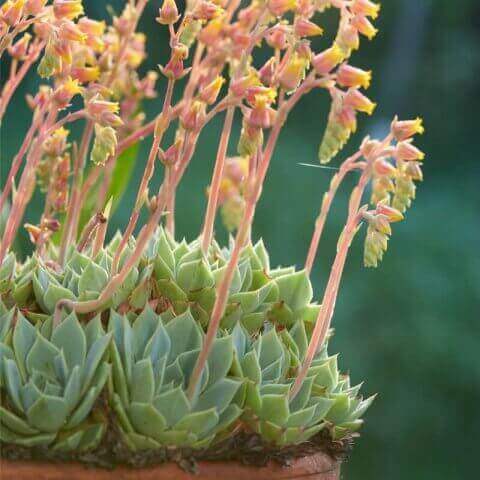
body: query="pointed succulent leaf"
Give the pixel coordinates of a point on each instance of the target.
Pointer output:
(184, 333)
(143, 328)
(220, 359)
(250, 301)
(24, 335)
(295, 289)
(93, 278)
(173, 405)
(146, 419)
(6, 319)
(53, 294)
(275, 409)
(93, 359)
(301, 418)
(41, 357)
(218, 396)
(48, 413)
(15, 423)
(271, 349)
(142, 387)
(198, 423)
(251, 367)
(194, 275)
(70, 337)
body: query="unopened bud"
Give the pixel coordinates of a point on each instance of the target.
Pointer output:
(348, 76)
(306, 28)
(210, 93)
(391, 213)
(403, 130)
(105, 144)
(365, 7)
(19, 49)
(70, 9)
(168, 14)
(327, 60)
(279, 7)
(405, 150)
(359, 102)
(364, 26)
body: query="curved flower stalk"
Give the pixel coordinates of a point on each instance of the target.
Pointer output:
(51, 378)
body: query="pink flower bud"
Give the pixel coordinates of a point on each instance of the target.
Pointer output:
(402, 130)
(267, 72)
(382, 167)
(171, 154)
(71, 32)
(168, 14)
(205, 10)
(239, 87)
(355, 99)
(33, 7)
(210, 93)
(63, 94)
(348, 38)
(193, 116)
(365, 7)
(414, 171)
(391, 213)
(85, 74)
(327, 60)
(306, 28)
(405, 150)
(19, 49)
(277, 37)
(292, 73)
(11, 12)
(67, 8)
(381, 224)
(364, 26)
(348, 76)
(347, 117)
(279, 7)
(262, 116)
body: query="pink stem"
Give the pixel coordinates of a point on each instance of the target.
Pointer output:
(324, 318)
(216, 180)
(325, 208)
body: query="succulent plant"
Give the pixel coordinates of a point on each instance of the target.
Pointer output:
(152, 362)
(51, 377)
(203, 341)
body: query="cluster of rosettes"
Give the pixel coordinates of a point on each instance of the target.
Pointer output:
(396, 168)
(145, 345)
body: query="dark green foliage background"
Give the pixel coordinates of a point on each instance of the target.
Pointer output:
(410, 329)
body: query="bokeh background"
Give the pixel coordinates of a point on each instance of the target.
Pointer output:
(410, 329)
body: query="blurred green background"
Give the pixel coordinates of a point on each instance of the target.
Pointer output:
(410, 329)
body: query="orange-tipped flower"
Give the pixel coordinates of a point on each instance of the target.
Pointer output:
(364, 26)
(405, 150)
(69, 9)
(66, 91)
(403, 130)
(85, 74)
(33, 7)
(357, 100)
(277, 37)
(293, 72)
(365, 7)
(11, 12)
(306, 28)
(382, 167)
(327, 60)
(168, 14)
(391, 213)
(209, 94)
(72, 32)
(279, 7)
(348, 76)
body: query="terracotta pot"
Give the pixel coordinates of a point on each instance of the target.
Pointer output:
(314, 467)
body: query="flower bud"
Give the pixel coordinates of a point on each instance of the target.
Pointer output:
(364, 26)
(34, 232)
(172, 153)
(205, 10)
(392, 214)
(103, 112)
(382, 167)
(168, 14)
(348, 38)
(232, 212)
(293, 72)
(267, 72)
(211, 32)
(365, 7)
(193, 116)
(414, 171)
(277, 37)
(348, 76)
(33, 7)
(279, 7)
(327, 60)
(405, 150)
(63, 94)
(56, 143)
(403, 130)
(69, 9)
(306, 28)
(209, 94)
(381, 224)
(251, 138)
(359, 102)
(239, 87)
(85, 74)
(105, 144)
(11, 12)
(19, 49)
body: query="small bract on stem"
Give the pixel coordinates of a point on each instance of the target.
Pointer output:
(230, 300)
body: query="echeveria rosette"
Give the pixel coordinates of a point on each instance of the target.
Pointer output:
(325, 399)
(153, 358)
(51, 377)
